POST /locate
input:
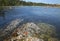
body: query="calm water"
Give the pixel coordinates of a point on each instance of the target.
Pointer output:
(32, 14)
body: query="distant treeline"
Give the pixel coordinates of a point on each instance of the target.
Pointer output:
(31, 3)
(19, 2)
(9, 2)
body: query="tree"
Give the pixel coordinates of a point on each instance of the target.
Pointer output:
(9, 2)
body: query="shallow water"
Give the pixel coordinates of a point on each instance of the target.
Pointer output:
(36, 14)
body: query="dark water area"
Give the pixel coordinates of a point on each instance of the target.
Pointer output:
(35, 14)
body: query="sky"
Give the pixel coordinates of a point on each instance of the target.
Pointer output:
(45, 1)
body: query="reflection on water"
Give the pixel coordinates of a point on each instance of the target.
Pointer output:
(32, 14)
(2, 15)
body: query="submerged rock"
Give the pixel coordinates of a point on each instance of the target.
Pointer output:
(32, 32)
(14, 24)
(7, 30)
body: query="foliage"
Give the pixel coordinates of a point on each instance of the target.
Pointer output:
(8, 2)
(21, 2)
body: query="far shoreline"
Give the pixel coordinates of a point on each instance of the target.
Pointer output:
(32, 5)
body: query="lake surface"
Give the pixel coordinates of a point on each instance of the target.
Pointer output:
(35, 14)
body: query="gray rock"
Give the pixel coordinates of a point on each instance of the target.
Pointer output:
(30, 32)
(13, 24)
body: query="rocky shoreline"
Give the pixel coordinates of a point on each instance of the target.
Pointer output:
(29, 32)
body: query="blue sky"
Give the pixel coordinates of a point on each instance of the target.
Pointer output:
(45, 1)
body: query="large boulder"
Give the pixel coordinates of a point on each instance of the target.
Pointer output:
(32, 32)
(9, 28)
